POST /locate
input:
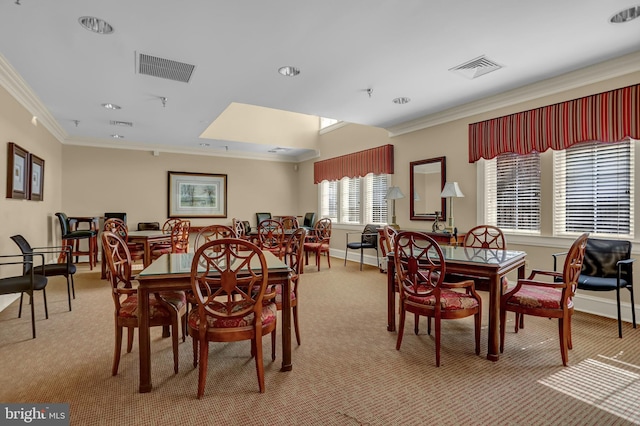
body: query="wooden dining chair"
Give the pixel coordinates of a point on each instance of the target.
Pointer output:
(271, 237)
(420, 271)
(179, 240)
(229, 281)
(212, 233)
(289, 222)
(294, 258)
(318, 241)
(166, 308)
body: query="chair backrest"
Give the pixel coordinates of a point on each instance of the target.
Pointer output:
(148, 226)
(262, 216)
(180, 237)
(370, 234)
(228, 279)
(420, 265)
(309, 219)
(169, 224)
(270, 234)
(212, 233)
(573, 266)
(117, 226)
(322, 230)
(389, 234)
(601, 258)
(118, 261)
(238, 227)
(121, 216)
(289, 222)
(294, 253)
(26, 250)
(64, 223)
(485, 236)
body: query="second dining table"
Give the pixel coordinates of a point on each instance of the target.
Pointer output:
(173, 272)
(476, 262)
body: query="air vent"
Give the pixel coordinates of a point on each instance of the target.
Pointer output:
(165, 68)
(476, 67)
(121, 123)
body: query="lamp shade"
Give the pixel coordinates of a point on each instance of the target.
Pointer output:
(394, 193)
(451, 189)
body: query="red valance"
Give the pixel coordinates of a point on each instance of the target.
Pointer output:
(375, 160)
(607, 117)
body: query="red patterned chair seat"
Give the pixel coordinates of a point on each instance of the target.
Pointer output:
(532, 296)
(278, 290)
(449, 300)
(269, 312)
(129, 307)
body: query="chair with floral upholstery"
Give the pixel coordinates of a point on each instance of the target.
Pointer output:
(229, 280)
(166, 308)
(179, 240)
(318, 241)
(420, 272)
(548, 299)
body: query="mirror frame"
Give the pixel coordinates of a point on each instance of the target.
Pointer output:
(443, 178)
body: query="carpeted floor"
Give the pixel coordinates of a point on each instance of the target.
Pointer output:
(346, 372)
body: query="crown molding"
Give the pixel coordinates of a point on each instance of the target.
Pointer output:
(582, 77)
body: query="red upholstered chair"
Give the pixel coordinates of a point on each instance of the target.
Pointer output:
(289, 222)
(271, 237)
(179, 240)
(548, 299)
(119, 227)
(229, 280)
(318, 241)
(166, 308)
(420, 269)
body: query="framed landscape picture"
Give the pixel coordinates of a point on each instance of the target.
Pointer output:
(37, 178)
(17, 172)
(197, 195)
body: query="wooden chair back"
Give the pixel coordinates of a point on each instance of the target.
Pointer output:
(271, 235)
(212, 233)
(180, 237)
(485, 236)
(289, 222)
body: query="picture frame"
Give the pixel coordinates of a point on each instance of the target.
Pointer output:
(193, 195)
(18, 176)
(36, 171)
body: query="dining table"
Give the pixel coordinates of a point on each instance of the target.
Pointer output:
(147, 239)
(172, 271)
(492, 264)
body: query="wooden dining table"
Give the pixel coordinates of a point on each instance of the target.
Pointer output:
(477, 262)
(147, 239)
(173, 272)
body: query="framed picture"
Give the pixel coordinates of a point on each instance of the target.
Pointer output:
(17, 172)
(197, 195)
(37, 178)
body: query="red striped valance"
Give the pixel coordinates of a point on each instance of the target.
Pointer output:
(375, 160)
(607, 117)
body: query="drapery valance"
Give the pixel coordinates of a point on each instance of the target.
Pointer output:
(375, 160)
(608, 117)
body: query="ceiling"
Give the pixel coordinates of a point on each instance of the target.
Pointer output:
(355, 57)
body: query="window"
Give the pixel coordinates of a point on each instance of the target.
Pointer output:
(594, 189)
(512, 185)
(355, 201)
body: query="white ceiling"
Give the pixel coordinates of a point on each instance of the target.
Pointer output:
(398, 48)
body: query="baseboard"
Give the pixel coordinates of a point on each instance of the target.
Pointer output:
(7, 299)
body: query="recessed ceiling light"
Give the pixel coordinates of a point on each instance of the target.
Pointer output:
(401, 101)
(95, 25)
(289, 71)
(626, 15)
(111, 106)
(117, 136)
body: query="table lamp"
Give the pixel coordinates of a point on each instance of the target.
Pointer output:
(451, 190)
(394, 193)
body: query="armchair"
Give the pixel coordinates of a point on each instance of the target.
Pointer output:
(368, 240)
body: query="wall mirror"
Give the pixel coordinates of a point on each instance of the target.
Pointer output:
(427, 179)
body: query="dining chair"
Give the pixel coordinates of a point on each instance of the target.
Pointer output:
(262, 216)
(70, 238)
(368, 240)
(179, 240)
(318, 241)
(64, 268)
(167, 228)
(548, 299)
(607, 266)
(420, 271)
(386, 244)
(289, 222)
(240, 229)
(166, 308)
(294, 258)
(309, 221)
(25, 283)
(211, 233)
(229, 280)
(271, 237)
(119, 227)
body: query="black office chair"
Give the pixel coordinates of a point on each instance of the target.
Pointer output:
(368, 240)
(25, 284)
(607, 266)
(262, 216)
(121, 216)
(148, 226)
(309, 221)
(66, 269)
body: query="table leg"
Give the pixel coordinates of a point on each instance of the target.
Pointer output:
(144, 343)
(391, 296)
(494, 317)
(286, 326)
(147, 253)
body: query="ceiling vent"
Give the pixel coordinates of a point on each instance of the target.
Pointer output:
(164, 68)
(121, 123)
(476, 67)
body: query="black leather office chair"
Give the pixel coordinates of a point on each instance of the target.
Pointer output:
(368, 240)
(309, 221)
(262, 216)
(121, 216)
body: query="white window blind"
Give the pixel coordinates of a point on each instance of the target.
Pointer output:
(593, 183)
(512, 192)
(355, 201)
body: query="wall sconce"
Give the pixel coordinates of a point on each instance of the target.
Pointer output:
(394, 193)
(451, 190)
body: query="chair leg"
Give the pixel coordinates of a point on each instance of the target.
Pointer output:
(117, 351)
(416, 324)
(619, 312)
(33, 318)
(563, 333)
(273, 345)
(46, 308)
(202, 372)
(438, 324)
(20, 308)
(130, 333)
(259, 361)
(295, 324)
(174, 341)
(633, 306)
(361, 257)
(503, 318)
(73, 287)
(478, 318)
(400, 325)
(69, 291)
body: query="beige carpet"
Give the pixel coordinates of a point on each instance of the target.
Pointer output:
(346, 372)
